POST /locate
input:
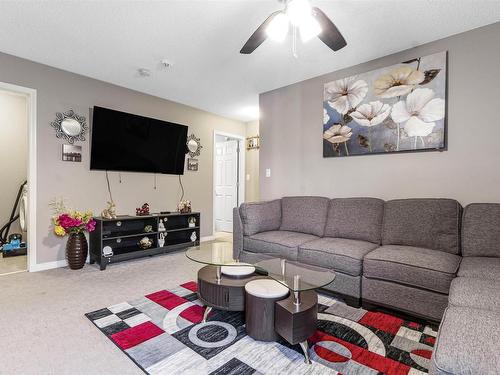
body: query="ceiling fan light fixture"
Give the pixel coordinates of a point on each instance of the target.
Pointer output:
(278, 27)
(309, 29)
(298, 11)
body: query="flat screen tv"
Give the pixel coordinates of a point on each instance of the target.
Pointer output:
(125, 142)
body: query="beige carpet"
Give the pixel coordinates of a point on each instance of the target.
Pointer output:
(42, 326)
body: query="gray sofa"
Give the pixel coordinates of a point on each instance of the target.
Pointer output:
(400, 254)
(421, 256)
(469, 335)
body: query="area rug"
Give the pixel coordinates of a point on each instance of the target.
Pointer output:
(161, 332)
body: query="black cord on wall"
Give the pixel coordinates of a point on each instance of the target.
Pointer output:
(109, 187)
(182, 187)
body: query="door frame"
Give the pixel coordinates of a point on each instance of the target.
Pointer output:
(241, 169)
(30, 95)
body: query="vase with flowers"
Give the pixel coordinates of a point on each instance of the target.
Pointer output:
(74, 224)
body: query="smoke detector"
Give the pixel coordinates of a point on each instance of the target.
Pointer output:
(143, 72)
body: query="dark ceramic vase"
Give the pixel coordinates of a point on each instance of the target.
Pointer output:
(76, 250)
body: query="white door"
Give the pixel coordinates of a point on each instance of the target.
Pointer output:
(226, 184)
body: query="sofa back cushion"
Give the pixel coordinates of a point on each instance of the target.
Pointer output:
(355, 219)
(260, 216)
(430, 223)
(481, 230)
(304, 214)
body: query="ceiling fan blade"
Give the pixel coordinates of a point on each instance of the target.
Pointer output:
(329, 35)
(258, 36)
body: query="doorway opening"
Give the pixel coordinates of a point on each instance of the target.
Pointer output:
(229, 182)
(17, 162)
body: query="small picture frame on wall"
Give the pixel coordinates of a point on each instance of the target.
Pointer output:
(192, 164)
(253, 143)
(72, 153)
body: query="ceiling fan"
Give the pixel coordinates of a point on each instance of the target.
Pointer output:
(300, 15)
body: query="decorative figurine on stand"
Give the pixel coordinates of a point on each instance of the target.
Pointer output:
(193, 237)
(192, 222)
(161, 226)
(161, 240)
(110, 212)
(184, 207)
(143, 211)
(145, 243)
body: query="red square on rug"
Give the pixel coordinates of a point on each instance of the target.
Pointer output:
(384, 322)
(133, 336)
(192, 286)
(166, 299)
(194, 314)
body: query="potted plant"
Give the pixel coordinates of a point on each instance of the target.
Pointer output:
(74, 224)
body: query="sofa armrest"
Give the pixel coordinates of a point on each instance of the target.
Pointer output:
(237, 233)
(260, 216)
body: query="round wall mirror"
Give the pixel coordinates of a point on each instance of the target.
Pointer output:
(70, 126)
(193, 145)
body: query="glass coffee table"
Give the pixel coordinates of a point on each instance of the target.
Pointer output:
(221, 285)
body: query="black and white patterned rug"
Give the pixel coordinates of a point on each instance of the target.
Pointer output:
(161, 332)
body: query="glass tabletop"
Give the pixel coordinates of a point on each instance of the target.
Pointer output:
(296, 276)
(214, 253)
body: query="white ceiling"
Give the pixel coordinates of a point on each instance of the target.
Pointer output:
(110, 40)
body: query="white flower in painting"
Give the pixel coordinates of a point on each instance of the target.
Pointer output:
(398, 82)
(345, 94)
(420, 111)
(326, 118)
(338, 134)
(371, 114)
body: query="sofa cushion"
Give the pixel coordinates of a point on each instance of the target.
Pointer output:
(482, 267)
(356, 219)
(466, 342)
(477, 293)
(260, 216)
(415, 301)
(304, 214)
(420, 267)
(279, 242)
(429, 223)
(340, 254)
(481, 230)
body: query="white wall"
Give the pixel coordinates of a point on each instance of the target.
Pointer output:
(252, 166)
(13, 152)
(59, 91)
(291, 131)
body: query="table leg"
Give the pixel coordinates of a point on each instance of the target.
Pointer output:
(296, 299)
(305, 349)
(218, 274)
(205, 314)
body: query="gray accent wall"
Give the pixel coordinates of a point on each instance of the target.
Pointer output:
(291, 134)
(58, 91)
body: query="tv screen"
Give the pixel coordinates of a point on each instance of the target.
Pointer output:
(125, 142)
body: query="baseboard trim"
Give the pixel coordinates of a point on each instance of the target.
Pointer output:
(48, 265)
(63, 263)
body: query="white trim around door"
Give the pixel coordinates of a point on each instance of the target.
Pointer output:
(241, 169)
(30, 95)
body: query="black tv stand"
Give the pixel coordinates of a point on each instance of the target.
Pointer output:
(123, 234)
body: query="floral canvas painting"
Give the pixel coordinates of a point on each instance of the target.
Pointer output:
(400, 108)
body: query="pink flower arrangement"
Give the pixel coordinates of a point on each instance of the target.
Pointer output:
(73, 222)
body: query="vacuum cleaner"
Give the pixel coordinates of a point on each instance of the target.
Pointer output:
(13, 245)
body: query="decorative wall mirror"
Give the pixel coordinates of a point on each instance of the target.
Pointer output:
(70, 126)
(193, 145)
